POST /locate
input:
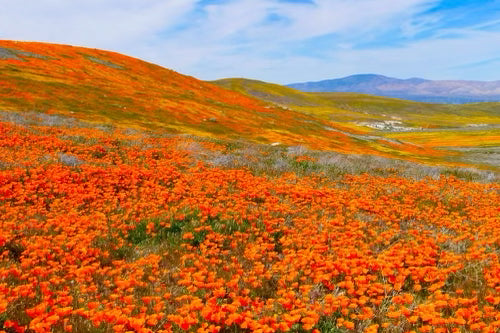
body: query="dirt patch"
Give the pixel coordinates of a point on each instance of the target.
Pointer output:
(6, 54)
(30, 54)
(103, 62)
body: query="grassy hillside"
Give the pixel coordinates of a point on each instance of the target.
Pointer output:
(103, 86)
(439, 126)
(362, 107)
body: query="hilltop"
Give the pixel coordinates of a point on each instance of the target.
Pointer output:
(417, 89)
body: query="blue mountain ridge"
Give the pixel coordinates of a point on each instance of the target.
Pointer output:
(416, 89)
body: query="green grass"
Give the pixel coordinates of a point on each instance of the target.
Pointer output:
(424, 125)
(354, 107)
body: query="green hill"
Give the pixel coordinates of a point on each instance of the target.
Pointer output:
(465, 133)
(354, 107)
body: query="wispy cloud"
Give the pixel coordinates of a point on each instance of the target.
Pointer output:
(435, 58)
(275, 40)
(98, 23)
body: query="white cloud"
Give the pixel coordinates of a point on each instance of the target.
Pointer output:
(94, 23)
(233, 36)
(213, 39)
(435, 58)
(343, 16)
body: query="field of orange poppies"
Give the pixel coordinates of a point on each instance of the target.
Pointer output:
(106, 230)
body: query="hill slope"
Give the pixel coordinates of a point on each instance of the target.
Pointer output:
(105, 86)
(345, 107)
(471, 129)
(108, 87)
(439, 91)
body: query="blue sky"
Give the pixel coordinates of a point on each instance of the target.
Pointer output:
(280, 41)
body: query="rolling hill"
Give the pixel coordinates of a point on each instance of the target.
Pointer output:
(102, 86)
(350, 107)
(445, 127)
(107, 87)
(417, 89)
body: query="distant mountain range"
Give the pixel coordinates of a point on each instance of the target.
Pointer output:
(416, 89)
